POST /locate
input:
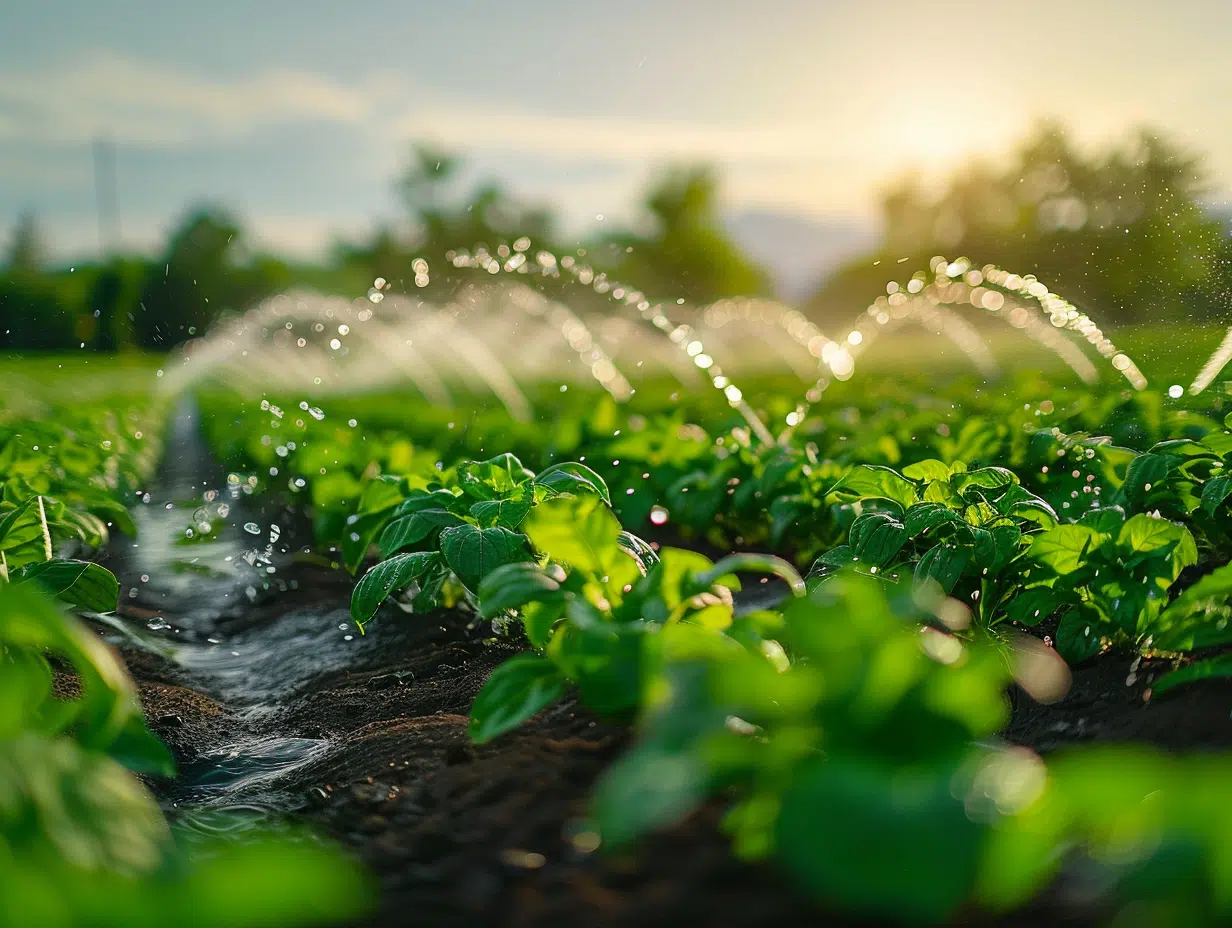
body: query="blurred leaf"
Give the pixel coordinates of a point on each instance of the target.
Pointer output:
(516, 690)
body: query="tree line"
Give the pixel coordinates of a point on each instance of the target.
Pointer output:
(1123, 231)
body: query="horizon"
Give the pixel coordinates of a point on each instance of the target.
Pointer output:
(299, 124)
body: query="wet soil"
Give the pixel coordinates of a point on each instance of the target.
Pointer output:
(271, 700)
(495, 835)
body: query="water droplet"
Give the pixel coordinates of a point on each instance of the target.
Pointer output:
(252, 528)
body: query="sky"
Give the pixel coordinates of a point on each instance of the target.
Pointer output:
(298, 115)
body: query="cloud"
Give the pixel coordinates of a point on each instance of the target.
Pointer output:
(152, 105)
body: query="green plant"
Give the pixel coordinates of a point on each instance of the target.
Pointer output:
(82, 840)
(1186, 479)
(603, 612)
(966, 531)
(1112, 573)
(862, 765)
(445, 537)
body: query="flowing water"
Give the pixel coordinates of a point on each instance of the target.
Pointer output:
(187, 600)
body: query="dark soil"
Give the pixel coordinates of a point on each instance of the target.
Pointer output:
(495, 835)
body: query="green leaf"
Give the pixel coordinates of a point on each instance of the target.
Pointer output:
(876, 537)
(1020, 503)
(582, 533)
(78, 805)
(415, 528)
(107, 713)
(1006, 538)
(943, 563)
(922, 517)
(1079, 635)
(1199, 617)
(984, 549)
(78, 583)
(1065, 548)
(539, 619)
(930, 469)
(495, 478)
(870, 481)
(984, 477)
(833, 560)
(676, 577)
(517, 689)
(507, 513)
(1210, 669)
(1106, 520)
(9, 524)
(895, 842)
(647, 789)
(1030, 607)
(380, 494)
(386, 579)
(753, 563)
(1182, 447)
(1144, 534)
(940, 491)
(419, 500)
(1145, 471)
(512, 586)
(1215, 492)
(571, 477)
(472, 553)
(358, 536)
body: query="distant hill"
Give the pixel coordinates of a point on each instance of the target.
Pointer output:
(797, 250)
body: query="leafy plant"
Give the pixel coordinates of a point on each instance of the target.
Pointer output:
(603, 613)
(965, 531)
(857, 764)
(82, 840)
(1186, 479)
(1113, 573)
(445, 537)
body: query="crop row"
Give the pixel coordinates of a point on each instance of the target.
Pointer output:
(82, 839)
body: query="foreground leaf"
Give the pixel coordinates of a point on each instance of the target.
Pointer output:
(572, 477)
(472, 552)
(78, 583)
(1214, 668)
(517, 689)
(387, 578)
(513, 586)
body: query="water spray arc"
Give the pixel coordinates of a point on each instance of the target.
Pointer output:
(1213, 366)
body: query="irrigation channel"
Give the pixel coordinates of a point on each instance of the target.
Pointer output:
(276, 708)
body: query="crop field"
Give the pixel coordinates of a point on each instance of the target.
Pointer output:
(556, 621)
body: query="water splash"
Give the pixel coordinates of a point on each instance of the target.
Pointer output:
(575, 332)
(485, 364)
(548, 303)
(1061, 314)
(570, 272)
(1214, 364)
(936, 317)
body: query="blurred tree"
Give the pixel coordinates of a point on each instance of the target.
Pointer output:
(33, 316)
(421, 188)
(442, 220)
(203, 271)
(1121, 231)
(686, 254)
(112, 302)
(26, 252)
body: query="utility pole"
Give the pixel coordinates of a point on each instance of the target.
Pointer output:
(105, 194)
